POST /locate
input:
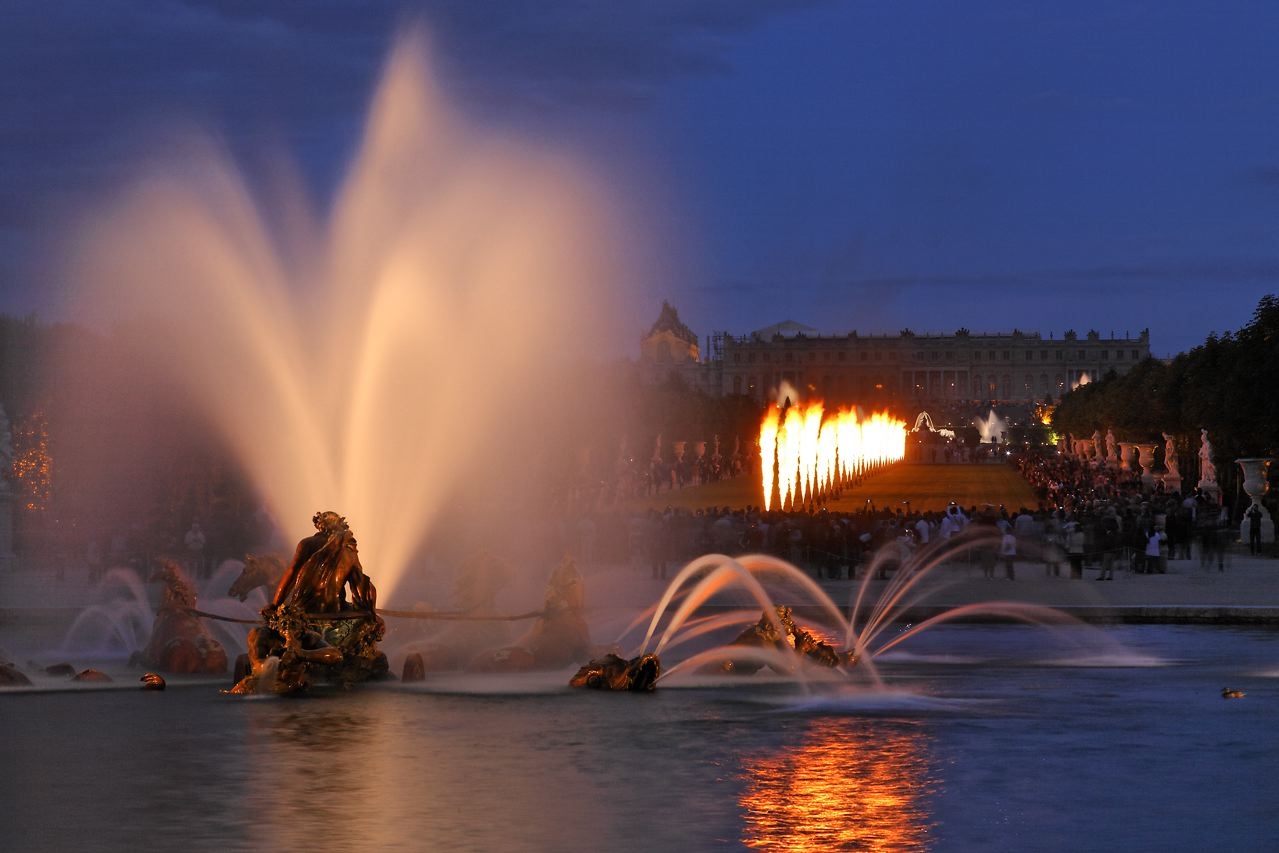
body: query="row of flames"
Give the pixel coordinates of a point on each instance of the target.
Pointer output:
(805, 451)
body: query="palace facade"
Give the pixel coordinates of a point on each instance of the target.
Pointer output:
(1008, 368)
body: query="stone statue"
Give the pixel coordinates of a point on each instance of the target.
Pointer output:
(323, 565)
(559, 634)
(311, 630)
(611, 672)
(180, 643)
(1170, 456)
(780, 632)
(1096, 444)
(1110, 447)
(1207, 470)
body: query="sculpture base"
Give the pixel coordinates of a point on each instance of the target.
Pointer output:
(293, 652)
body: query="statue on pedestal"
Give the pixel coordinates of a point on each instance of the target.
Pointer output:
(311, 631)
(1170, 457)
(1207, 470)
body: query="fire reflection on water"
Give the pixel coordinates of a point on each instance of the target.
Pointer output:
(844, 786)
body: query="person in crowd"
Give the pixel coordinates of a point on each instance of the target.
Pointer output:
(1110, 544)
(1155, 559)
(1008, 552)
(1254, 529)
(1075, 548)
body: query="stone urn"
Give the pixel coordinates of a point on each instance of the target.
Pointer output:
(1146, 458)
(1256, 484)
(1125, 455)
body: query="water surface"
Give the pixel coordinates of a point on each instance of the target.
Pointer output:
(987, 737)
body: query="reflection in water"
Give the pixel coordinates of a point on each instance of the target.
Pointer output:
(384, 769)
(846, 786)
(320, 772)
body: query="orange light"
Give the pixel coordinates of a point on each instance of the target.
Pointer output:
(839, 789)
(807, 450)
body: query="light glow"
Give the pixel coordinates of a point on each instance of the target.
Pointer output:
(806, 451)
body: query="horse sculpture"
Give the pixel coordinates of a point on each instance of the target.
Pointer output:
(259, 571)
(559, 635)
(611, 672)
(179, 641)
(792, 636)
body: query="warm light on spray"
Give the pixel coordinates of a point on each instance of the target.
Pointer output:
(807, 450)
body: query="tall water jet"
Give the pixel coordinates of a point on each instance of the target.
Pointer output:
(993, 428)
(409, 350)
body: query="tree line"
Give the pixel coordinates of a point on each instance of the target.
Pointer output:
(1227, 385)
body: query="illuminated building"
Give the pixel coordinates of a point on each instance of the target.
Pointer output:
(962, 367)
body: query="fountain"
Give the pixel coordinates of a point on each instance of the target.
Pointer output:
(993, 428)
(840, 651)
(330, 369)
(352, 396)
(310, 630)
(379, 365)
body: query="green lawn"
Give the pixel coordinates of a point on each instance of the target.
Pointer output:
(927, 487)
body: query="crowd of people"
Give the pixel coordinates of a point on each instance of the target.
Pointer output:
(1086, 518)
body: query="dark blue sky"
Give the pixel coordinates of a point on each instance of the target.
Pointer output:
(850, 165)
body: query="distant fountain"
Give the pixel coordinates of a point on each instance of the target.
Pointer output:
(374, 358)
(993, 428)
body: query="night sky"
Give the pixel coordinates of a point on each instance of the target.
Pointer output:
(849, 165)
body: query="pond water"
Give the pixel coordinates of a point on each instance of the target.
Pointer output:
(984, 737)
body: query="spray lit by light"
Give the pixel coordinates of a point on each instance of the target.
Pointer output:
(807, 451)
(332, 347)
